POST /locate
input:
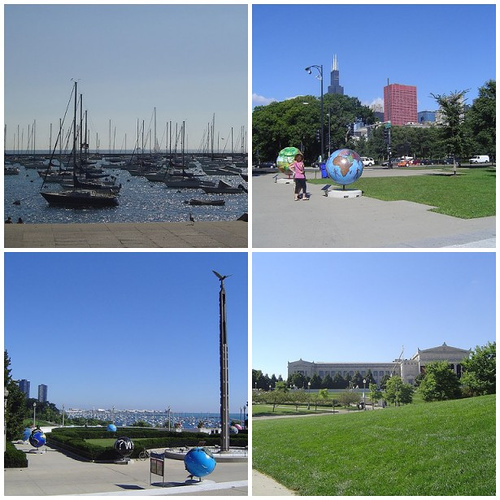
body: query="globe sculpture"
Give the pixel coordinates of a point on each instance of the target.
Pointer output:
(285, 158)
(111, 428)
(37, 438)
(199, 462)
(344, 166)
(233, 429)
(124, 446)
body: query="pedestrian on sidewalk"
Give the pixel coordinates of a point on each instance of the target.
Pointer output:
(299, 176)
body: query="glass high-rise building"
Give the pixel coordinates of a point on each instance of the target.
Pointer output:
(400, 104)
(335, 87)
(24, 385)
(42, 393)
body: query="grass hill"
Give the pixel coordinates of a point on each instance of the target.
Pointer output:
(442, 448)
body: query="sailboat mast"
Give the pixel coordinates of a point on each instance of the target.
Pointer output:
(74, 132)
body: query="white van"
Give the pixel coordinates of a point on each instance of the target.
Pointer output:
(480, 159)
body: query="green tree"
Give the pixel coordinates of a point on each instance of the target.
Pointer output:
(339, 382)
(479, 375)
(15, 405)
(375, 394)
(452, 107)
(398, 392)
(348, 398)
(440, 382)
(327, 382)
(315, 382)
(480, 120)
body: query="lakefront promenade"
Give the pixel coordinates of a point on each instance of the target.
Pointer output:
(213, 234)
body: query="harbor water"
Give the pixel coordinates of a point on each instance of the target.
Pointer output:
(139, 200)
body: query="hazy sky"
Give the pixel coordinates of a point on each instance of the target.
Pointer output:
(437, 48)
(355, 307)
(130, 330)
(188, 61)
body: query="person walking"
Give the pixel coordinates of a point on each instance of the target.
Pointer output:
(299, 176)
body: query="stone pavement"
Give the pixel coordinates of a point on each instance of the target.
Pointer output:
(280, 222)
(54, 473)
(223, 234)
(264, 486)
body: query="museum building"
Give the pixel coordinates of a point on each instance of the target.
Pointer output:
(407, 369)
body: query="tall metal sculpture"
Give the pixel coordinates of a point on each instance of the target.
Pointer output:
(224, 373)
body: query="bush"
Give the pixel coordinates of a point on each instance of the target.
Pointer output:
(14, 458)
(74, 441)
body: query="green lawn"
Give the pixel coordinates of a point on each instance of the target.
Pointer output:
(469, 194)
(444, 448)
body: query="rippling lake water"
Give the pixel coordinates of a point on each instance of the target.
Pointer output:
(139, 201)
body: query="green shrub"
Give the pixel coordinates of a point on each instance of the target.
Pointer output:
(14, 458)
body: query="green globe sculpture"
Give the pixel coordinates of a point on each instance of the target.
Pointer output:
(285, 158)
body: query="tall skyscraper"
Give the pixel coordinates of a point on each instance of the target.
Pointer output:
(400, 104)
(24, 385)
(42, 393)
(335, 87)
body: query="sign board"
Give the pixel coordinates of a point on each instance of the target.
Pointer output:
(157, 466)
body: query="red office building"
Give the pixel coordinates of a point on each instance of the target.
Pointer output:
(400, 104)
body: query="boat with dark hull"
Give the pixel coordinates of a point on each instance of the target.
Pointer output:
(81, 198)
(225, 188)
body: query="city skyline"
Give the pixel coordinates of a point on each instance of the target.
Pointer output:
(364, 307)
(128, 60)
(129, 330)
(421, 45)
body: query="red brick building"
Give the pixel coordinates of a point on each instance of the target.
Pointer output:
(400, 104)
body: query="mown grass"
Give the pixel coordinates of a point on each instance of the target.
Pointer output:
(443, 448)
(467, 195)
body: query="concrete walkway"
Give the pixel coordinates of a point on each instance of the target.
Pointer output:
(263, 486)
(224, 234)
(323, 222)
(54, 473)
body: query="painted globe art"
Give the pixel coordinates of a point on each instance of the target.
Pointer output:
(344, 166)
(233, 429)
(111, 428)
(37, 438)
(124, 446)
(199, 462)
(285, 158)
(26, 434)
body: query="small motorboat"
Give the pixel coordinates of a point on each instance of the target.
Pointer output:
(217, 203)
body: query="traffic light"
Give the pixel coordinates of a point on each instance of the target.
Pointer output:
(317, 135)
(387, 135)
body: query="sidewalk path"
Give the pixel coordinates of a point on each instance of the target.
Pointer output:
(223, 234)
(264, 486)
(322, 222)
(54, 473)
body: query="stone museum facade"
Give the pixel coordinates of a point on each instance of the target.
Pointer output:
(407, 369)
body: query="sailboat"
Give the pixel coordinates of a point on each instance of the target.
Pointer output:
(78, 197)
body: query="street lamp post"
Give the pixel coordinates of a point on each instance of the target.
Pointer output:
(309, 395)
(5, 396)
(321, 131)
(34, 415)
(364, 398)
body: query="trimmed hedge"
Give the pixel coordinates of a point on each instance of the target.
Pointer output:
(14, 458)
(74, 441)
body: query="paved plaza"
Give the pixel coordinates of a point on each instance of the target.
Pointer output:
(54, 473)
(223, 234)
(323, 222)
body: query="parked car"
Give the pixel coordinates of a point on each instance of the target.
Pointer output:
(267, 164)
(404, 163)
(367, 162)
(480, 159)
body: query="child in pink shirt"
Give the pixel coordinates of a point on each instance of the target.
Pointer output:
(299, 175)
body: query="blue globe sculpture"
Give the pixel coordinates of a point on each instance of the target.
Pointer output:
(344, 166)
(233, 429)
(199, 462)
(111, 428)
(124, 446)
(37, 438)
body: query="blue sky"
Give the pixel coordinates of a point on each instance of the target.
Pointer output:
(355, 307)
(437, 48)
(130, 330)
(188, 61)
